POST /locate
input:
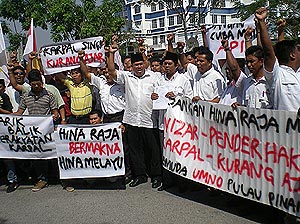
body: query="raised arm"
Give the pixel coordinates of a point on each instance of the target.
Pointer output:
(12, 78)
(110, 63)
(247, 37)
(269, 60)
(170, 39)
(231, 61)
(204, 38)
(83, 67)
(280, 25)
(142, 50)
(182, 58)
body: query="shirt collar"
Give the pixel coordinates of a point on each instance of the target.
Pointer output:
(43, 93)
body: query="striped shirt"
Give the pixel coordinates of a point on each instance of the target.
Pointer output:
(81, 97)
(38, 105)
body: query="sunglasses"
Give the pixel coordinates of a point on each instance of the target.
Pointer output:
(19, 73)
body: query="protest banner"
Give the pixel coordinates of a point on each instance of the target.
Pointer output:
(26, 137)
(64, 56)
(234, 33)
(90, 151)
(248, 152)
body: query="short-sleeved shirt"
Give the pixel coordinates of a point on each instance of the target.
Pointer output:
(233, 92)
(81, 97)
(138, 90)
(42, 104)
(256, 94)
(5, 103)
(112, 96)
(285, 84)
(207, 86)
(52, 89)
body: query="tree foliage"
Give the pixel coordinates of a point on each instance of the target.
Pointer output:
(278, 9)
(66, 19)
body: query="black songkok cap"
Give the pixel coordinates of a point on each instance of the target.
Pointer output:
(171, 56)
(136, 57)
(2, 82)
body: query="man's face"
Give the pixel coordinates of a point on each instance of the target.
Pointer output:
(202, 63)
(127, 65)
(19, 76)
(190, 59)
(102, 70)
(170, 67)
(254, 64)
(95, 119)
(76, 76)
(297, 53)
(138, 68)
(36, 86)
(155, 66)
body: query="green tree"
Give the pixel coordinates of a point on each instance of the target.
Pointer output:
(66, 19)
(287, 9)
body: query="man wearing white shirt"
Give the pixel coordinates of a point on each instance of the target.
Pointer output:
(143, 146)
(178, 85)
(256, 90)
(208, 84)
(281, 65)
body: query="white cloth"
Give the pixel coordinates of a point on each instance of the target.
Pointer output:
(112, 96)
(285, 84)
(138, 90)
(233, 92)
(256, 94)
(207, 86)
(180, 85)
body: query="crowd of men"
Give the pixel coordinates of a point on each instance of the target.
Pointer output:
(87, 95)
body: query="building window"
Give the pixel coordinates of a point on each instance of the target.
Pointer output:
(191, 2)
(162, 22)
(192, 19)
(153, 8)
(137, 9)
(171, 21)
(214, 19)
(223, 19)
(179, 20)
(202, 20)
(138, 23)
(162, 39)
(161, 6)
(154, 24)
(170, 4)
(155, 40)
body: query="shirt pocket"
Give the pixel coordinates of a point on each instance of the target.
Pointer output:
(290, 88)
(148, 88)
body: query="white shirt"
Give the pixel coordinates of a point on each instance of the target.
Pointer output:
(138, 90)
(180, 85)
(15, 97)
(233, 92)
(207, 86)
(256, 94)
(112, 96)
(285, 83)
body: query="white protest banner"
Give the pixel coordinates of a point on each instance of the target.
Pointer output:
(26, 137)
(252, 153)
(234, 33)
(90, 151)
(63, 56)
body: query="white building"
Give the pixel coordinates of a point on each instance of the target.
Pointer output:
(154, 22)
